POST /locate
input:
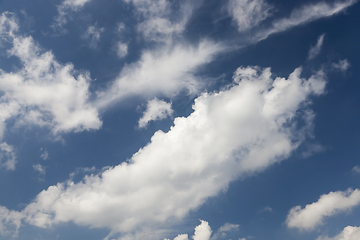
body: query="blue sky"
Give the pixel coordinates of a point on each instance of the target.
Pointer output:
(166, 119)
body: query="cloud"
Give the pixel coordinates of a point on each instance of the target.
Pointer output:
(303, 15)
(235, 132)
(166, 71)
(155, 110)
(223, 230)
(7, 156)
(39, 168)
(93, 34)
(42, 91)
(328, 204)
(64, 9)
(315, 50)
(10, 222)
(248, 13)
(349, 233)
(122, 49)
(342, 65)
(158, 21)
(45, 154)
(202, 232)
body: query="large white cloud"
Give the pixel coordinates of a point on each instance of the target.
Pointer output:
(328, 204)
(349, 233)
(42, 91)
(231, 133)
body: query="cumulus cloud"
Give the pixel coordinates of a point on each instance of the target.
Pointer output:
(64, 9)
(42, 91)
(315, 50)
(202, 232)
(155, 110)
(235, 132)
(161, 71)
(305, 14)
(10, 222)
(342, 65)
(7, 156)
(248, 13)
(328, 204)
(349, 233)
(93, 34)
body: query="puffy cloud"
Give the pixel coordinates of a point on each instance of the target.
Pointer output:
(44, 92)
(7, 156)
(235, 132)
(161, 71)
(305, 14)
(202, 232)
(10, 222)
(155, 110)
(248, 13)
(342, 65)
(328, 204)
(349, 233)
(93, 33)
(315, 50)
(64, 9)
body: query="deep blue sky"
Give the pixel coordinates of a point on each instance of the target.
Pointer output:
(257, 201)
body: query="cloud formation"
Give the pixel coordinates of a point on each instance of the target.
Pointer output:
(155, 110)
(93, 34)
(315, 50)
(248, 13)
(349, 233)
(231, 133)
(328, 204)
(7, 156)
(42, 91)
(342, 65)
(303, 15)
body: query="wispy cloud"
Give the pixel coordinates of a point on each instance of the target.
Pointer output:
(93, 34)
(315, 50)
(7, 156)
(248, 13)
(342, 65)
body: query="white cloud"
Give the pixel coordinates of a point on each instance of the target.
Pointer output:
(7, 156)
(44, 92)
(122, 49)
(159, 22)
(248, 13)
(305, 14)
(231, 133)
(223, 230)
(315, 50)
(93, 33)
(10, 222)
(328, 204)
(202, 232)
(64, 9)
(39, 168)
(349, 233)
(165, 71)
(45, 154)
(342, 65)
(155, 110)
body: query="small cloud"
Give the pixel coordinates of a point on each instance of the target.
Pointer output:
(45, 154)
(93, 33)
(122, 49)
(342, 65)
(356, 169)
(39, 168)
(155, 110)
(267, 209)
(7, 156)
(315, 50)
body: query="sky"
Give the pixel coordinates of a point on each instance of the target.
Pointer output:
(179, 120)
